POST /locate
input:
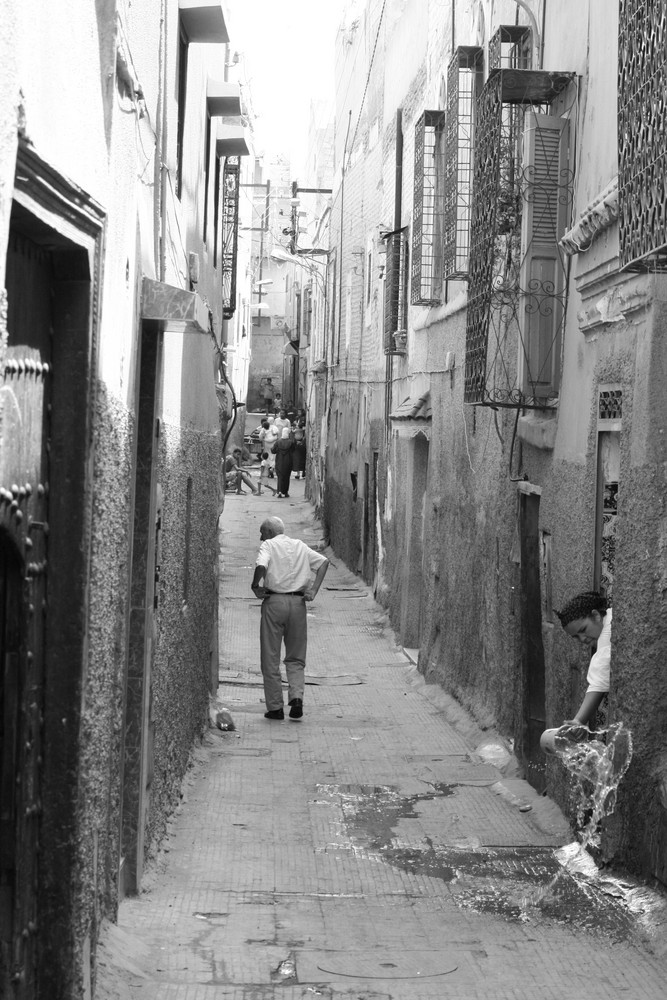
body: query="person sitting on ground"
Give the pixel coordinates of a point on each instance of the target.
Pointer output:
(234, 474)
(587, 618)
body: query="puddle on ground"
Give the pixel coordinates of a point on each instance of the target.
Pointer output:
(520, 884)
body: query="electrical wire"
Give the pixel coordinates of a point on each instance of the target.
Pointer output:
(368, 78)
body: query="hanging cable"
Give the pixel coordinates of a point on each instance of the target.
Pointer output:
(368, 79)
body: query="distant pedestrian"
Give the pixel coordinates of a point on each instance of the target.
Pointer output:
(287, 574)
(282, 420)
(299, 458)
(283, 450)
(264, 473)
(270, 438)
(268, 394)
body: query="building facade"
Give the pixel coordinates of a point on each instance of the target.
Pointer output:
(119, 162)
(494, 419)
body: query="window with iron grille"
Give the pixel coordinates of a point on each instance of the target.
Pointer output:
(522, 194)
(395, 293)
(464, 81)
(428, 209)
(230, 234)
(642, 125)
(510, 48)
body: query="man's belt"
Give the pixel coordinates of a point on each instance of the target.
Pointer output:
(285, 593)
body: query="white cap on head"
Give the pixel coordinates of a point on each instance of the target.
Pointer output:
(285, 432)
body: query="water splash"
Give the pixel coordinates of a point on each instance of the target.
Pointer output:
(597, 764)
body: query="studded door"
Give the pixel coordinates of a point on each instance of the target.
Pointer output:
(25, 371)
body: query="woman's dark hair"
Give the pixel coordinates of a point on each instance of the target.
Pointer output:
(582, 605)
(265, 424)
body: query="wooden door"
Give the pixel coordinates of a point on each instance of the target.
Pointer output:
(24, 492)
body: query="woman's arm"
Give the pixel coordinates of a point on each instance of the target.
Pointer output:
(589, 706)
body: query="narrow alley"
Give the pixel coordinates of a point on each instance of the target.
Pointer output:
(382, 847)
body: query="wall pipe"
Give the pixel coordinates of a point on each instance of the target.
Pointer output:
(398, 208)
(536, 31)
(340, 266)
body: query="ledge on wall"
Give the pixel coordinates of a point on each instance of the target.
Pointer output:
(538, 428)
(174, 308)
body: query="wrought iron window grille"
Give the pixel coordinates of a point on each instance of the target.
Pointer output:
(522, 196)
(395, 292)
(230, 234)
(511, 48)
(428, 209)
(642, 124)
(464, 82)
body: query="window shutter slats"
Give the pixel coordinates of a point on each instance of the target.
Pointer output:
(546, 208)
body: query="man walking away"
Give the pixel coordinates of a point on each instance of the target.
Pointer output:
(284, 579)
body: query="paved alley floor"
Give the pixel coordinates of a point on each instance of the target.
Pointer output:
(380, 848)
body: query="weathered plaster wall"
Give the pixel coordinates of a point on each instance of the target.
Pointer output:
(471, 615)
(89, 129)
(100, 736)
(185, 612)
(639, 676)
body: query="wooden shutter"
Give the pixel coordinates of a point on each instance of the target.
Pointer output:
(546, 209)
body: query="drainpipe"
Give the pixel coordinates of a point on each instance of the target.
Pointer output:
(398, 205)
(536, 31)
(340, 267)
(161, 165)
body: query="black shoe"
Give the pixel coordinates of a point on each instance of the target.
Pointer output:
(296, 710)
(277, 713)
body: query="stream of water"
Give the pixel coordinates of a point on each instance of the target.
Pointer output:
(597, 766)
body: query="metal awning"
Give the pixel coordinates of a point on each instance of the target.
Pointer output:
(204, 21)
(231, 141)
(223, 98)
(174, 308)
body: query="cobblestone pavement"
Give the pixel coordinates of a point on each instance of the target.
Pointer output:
(380, 848)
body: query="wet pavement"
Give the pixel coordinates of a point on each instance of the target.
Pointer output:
(383, 847)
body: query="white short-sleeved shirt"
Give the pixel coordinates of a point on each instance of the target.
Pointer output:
(598, 669)
(289, 562)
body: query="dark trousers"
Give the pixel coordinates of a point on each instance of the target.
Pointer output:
(284, 474)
